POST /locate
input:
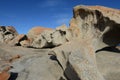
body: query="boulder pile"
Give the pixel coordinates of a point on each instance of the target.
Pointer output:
(86, 50)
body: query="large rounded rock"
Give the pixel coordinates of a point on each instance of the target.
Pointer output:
(35, 31)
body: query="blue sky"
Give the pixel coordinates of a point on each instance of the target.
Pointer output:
(25, 14)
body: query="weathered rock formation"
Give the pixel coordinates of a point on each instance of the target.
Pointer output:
(35, 31)
(94, 30)
(20, 63)
(97, 24)
(21, 40)
(53, 38)
(113, 14)
(78, 61)
(7, 33)
(108, 63)
(85, 51)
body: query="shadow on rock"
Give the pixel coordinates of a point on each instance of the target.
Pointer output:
(13, 76)
(70, 73)
(110, 49)
(55, 58)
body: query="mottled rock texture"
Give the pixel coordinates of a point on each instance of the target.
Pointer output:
(21, 40)
(7, 33)
(94, 32)
(53, 38)
(18, 39)
(78, 60)
(96, 23)
(19, 63)
(35, 31)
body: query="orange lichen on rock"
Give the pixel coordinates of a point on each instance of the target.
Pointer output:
(11, 29)
(14, 58)
(35, 31)
(105, 9)
(4, 76)
(113, 14)
(38, 30)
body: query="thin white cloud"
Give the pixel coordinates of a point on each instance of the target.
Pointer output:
(49, 3)
(62, 15)
(62, 18)
(9, 15)
(62, 21)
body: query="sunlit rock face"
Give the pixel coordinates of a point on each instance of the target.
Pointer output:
(93, 28)
(35, 31)
(20, 40)
(96, 23)
(53, 38)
